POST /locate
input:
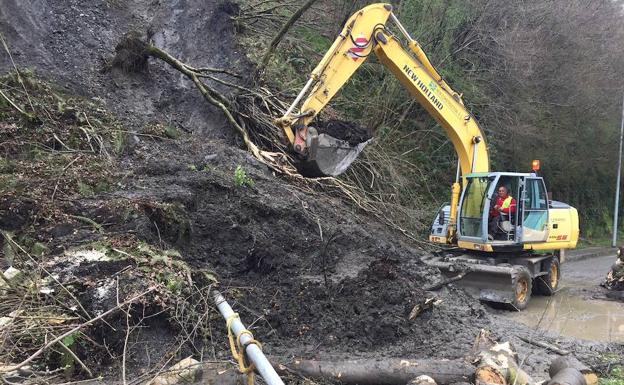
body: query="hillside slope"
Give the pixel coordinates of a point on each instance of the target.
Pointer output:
(311, 273)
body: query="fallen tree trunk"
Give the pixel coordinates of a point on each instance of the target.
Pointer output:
(133, 52)
(381, 371)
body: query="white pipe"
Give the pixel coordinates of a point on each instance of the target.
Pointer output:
(617, 184)
(298, 98)
(253, 351)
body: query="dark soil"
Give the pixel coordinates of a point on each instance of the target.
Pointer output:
(73, 44)
(344, 130)
(311, 274)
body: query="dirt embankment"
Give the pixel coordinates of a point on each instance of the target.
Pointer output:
(72, 43)
(312, 275)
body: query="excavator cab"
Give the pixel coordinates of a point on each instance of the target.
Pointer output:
(501, 264)
(526, 222)
(525, 225)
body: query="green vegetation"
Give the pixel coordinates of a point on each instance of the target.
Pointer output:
(616, 377)
(62, 149)
(171, 132)
(241, 179)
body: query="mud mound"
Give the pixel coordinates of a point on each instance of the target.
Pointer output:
(73, 44)
(360, 313)
(365, 314)
(344, 130)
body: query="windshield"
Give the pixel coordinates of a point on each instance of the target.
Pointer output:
(472, 207)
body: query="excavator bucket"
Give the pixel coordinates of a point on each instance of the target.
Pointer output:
(488, 281)
(327, 156)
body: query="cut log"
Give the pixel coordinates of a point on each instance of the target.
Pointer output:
(489, 374)
(381, 371)
(566, 362)
(571, 362)
(500, 367)
(497, 363)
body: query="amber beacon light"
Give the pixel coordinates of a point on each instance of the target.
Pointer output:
(535, 165)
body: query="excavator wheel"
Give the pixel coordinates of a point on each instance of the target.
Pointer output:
(548, 284)
(521, 284)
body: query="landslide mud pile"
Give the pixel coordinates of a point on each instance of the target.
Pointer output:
(311, 273)
(139, 171)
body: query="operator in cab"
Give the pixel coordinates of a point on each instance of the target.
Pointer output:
(505, 205)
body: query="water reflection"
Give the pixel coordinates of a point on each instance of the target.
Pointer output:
(571, 315)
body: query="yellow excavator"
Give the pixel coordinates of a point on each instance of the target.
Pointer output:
(524, 253)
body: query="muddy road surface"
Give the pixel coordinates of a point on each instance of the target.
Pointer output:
(580, 308)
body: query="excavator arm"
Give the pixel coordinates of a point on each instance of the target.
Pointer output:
(365, 33)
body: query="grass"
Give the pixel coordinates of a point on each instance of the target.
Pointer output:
(241, 179)
(616, 377)
(603, 241)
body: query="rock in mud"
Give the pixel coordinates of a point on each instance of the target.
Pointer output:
(184, 372)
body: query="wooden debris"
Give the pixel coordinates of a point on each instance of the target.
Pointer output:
(426, 304)
(568, 376)
(498, 364)
(184, 372)
(391, 371)
(545, 345)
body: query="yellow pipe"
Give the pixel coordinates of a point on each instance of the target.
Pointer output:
(452, 228)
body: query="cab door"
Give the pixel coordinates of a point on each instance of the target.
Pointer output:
(534, 211)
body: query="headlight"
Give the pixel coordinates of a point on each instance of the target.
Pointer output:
(619, 251)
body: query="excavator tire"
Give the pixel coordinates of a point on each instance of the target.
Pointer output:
(548, 284)
(522, 285)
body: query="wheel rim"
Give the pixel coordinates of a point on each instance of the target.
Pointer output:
(554, 275)
(522, 290)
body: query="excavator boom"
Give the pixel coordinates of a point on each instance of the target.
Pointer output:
(365, 33)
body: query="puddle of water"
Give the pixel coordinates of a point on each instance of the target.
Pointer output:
(570, 315)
